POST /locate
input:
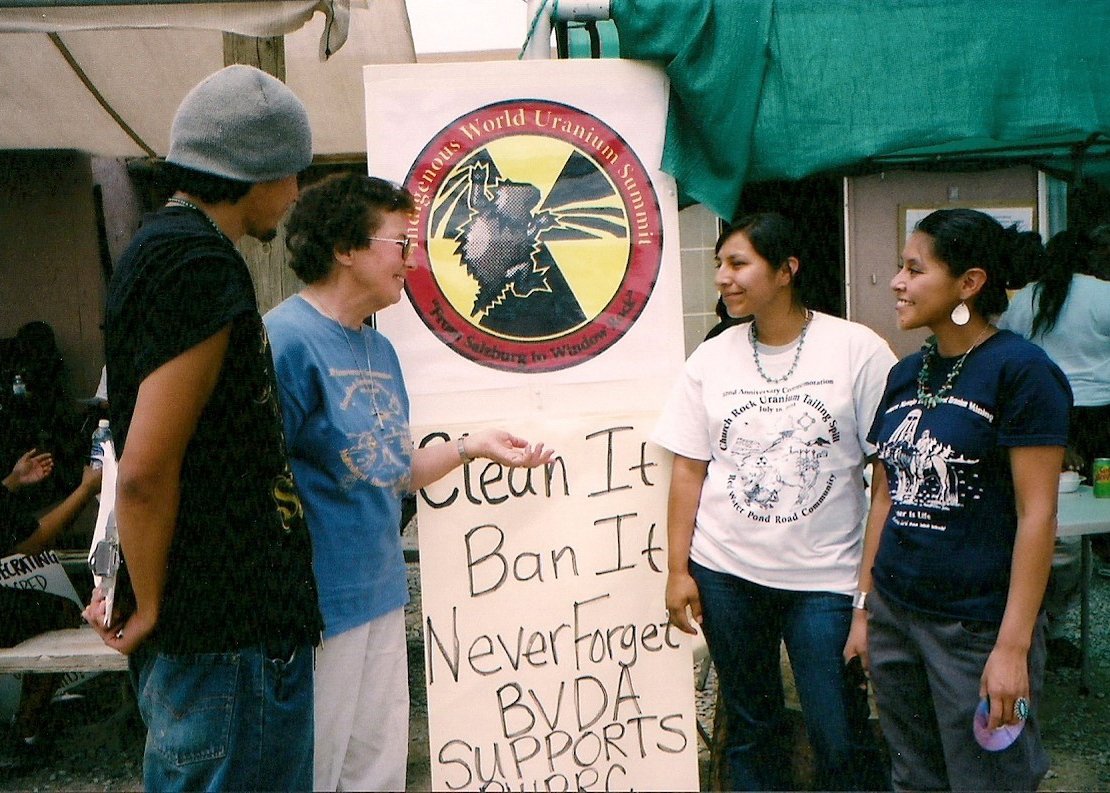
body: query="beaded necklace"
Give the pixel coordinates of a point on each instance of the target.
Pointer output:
(753, 337)
(928, 399)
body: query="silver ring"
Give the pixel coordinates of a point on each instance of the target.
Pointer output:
(119, 635)
(1021, 708)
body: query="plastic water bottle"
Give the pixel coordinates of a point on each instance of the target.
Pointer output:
(19, 388)
(103, 433)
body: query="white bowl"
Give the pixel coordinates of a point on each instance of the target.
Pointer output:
(1069, 482)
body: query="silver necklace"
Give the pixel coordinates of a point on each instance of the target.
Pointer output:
(368, 373)
(174, 201)
(753, 337)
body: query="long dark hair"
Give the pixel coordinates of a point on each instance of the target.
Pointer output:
(966, 238)
(1068, 253)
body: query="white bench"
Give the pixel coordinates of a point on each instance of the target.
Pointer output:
(66, 650)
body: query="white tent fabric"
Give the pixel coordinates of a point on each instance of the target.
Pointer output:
(333, 90)
(107, 79)
(247, 18)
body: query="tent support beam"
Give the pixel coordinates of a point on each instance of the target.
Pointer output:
(987, 153)
(267, 54)
(56, 40)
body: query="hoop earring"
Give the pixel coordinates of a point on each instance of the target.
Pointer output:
(961, 314)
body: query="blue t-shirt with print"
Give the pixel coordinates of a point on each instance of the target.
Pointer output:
(947, 543)
(347, 428)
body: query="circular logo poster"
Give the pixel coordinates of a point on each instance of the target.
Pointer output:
(539, 236)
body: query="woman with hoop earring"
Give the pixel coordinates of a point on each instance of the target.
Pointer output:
(953, 585)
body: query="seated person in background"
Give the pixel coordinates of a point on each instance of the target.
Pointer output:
(25, 612)
(724, 320)
(41, 414)
(22, 532)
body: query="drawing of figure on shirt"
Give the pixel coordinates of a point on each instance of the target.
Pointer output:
(761, 482)
(931, 455)
(788, 461)
(380, 450)
(807, 465)
(922, 464)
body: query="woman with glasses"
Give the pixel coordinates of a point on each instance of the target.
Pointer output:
(346, 417)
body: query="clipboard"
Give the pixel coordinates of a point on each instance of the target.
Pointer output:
(105, 557)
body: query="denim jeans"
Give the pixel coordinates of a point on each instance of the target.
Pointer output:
(239, 720)
(744, 625)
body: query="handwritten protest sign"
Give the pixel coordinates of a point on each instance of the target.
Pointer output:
(544, 617)
(544, 298)
(41, 572)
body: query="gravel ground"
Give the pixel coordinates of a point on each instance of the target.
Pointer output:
(98, 740)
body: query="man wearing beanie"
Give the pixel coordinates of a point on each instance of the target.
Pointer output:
(219, 612)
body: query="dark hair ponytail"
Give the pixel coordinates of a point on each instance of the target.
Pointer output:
(966, 238)
(1067, 253)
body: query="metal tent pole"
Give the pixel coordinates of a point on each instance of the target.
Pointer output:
(542, 12)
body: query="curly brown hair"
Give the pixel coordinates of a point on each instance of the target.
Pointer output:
(338, 213)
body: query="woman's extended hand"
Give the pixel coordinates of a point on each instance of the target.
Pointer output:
(683, 602)
(1005, 679)
(30, 469)
(856, 644)
(507, 449)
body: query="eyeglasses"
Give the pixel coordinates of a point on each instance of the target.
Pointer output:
(406, 244)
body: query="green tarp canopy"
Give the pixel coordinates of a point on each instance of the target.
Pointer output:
(782, 89)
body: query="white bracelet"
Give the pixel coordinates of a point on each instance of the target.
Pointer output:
(859, 600)
(466, 458)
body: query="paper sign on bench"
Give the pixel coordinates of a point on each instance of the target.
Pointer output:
(42, 572)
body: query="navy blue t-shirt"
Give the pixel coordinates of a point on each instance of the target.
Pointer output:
(947, 543)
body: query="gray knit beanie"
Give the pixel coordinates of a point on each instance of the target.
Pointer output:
(244, 124)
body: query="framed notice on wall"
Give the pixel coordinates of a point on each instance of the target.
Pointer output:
(1024, 216)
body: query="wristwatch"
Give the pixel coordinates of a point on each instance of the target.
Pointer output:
(466, 458)
(859, 600)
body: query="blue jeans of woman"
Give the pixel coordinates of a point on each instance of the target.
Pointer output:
(744, 625)
(238, 720)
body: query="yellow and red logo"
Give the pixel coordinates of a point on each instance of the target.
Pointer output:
(539, 236)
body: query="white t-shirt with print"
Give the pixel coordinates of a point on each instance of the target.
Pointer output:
(783, 500)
